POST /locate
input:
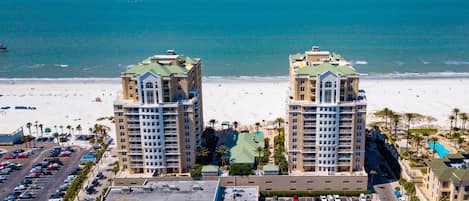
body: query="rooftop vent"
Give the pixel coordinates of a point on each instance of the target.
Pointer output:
(315, 48)
(170, 52)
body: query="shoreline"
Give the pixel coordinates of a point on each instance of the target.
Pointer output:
(246, 100)
(391, 76)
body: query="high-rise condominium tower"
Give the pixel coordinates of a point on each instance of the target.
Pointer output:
(326, 114)
(158, 116)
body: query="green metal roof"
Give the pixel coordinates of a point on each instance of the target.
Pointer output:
(270, 167)
(324, 67)
(298, 56)
(210, 168)
(163, 70)
(446, 173)
(244, 149)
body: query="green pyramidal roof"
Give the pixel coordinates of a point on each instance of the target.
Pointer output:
(324, 67)
(163, 70)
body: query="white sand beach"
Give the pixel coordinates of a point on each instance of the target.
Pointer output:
(247, 101)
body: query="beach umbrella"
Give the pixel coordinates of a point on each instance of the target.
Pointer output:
(47, 130)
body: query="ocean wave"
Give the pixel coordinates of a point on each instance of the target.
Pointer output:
(358, 62)
(456, 62)
(371, 75)
(62, 65)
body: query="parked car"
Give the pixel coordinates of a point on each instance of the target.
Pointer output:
(22, 155)
(3, 178)
(26, 181)
(5, 171)
(100, 175)
(47, 173)
(20, 187)
(33, 175)
(9, 156)
(26, 195)
(64, 154)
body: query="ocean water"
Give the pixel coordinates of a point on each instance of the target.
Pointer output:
(84, 38)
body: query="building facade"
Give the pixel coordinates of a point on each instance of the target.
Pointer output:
(447, 178)
(326, 113)
(158, 116)
(12, 136)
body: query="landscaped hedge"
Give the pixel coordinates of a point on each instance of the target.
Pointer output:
(77, 183)
(310, 193)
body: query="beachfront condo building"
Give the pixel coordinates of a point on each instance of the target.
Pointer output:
(326, 113)
(447, 178)
(158, 116)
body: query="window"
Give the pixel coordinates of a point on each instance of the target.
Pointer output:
(328, 85)
(148, 85)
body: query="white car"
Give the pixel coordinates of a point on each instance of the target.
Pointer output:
(323, 198)
(20, 187)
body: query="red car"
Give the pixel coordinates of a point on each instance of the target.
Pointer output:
(23, 156)
(9, 156)
(64, 154)
(52, 167)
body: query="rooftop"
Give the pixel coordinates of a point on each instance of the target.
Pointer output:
(244, 193)
(324, 67)
(243, 147)
(165, 65)
(167, 190)
(454, 167)
(210, 168)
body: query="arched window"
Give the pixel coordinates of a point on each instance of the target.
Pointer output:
(148, 85)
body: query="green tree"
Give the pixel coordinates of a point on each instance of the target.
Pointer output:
(235, 124)
(56, 136)
(372, 175)
(417, 139)
(69, 127)
(61, 129)
(41, 129)
(259, 151)
(79, 128)
(456, 112)
(410, 118)
(222, 150)
(279, 121)
(28, 125)
(396, 119)
(258, 125)
(212, 122)
(202, 153)
(451, 120)
(464, 117)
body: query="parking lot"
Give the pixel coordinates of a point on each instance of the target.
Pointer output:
(41, 175)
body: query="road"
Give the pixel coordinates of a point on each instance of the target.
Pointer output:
(381, 185)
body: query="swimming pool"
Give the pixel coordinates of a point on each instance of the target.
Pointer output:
(440, 149)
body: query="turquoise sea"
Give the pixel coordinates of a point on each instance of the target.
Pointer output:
(89, 38)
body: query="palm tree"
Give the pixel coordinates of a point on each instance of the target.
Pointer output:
(235, 125)
(61, 129)
(78, 128)
(55, 127)
(222, 150)
(37, 130)
(451, 120)
(372, 174)
(259, 151)
(28, 125)
(464, 117)
(386, 112)
(258, 125)
(40, 128)
(417, 139)
(56, 136)
(279, 121)
(443, 198)
(456, 112)
(434, 140)
(409, 117)
(212, 122)
(69, 127)
(396, 118)
(203, 153)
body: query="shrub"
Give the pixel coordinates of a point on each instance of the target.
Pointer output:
(196, 171)
(397, 188)
(423, 170)
(240, 169)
